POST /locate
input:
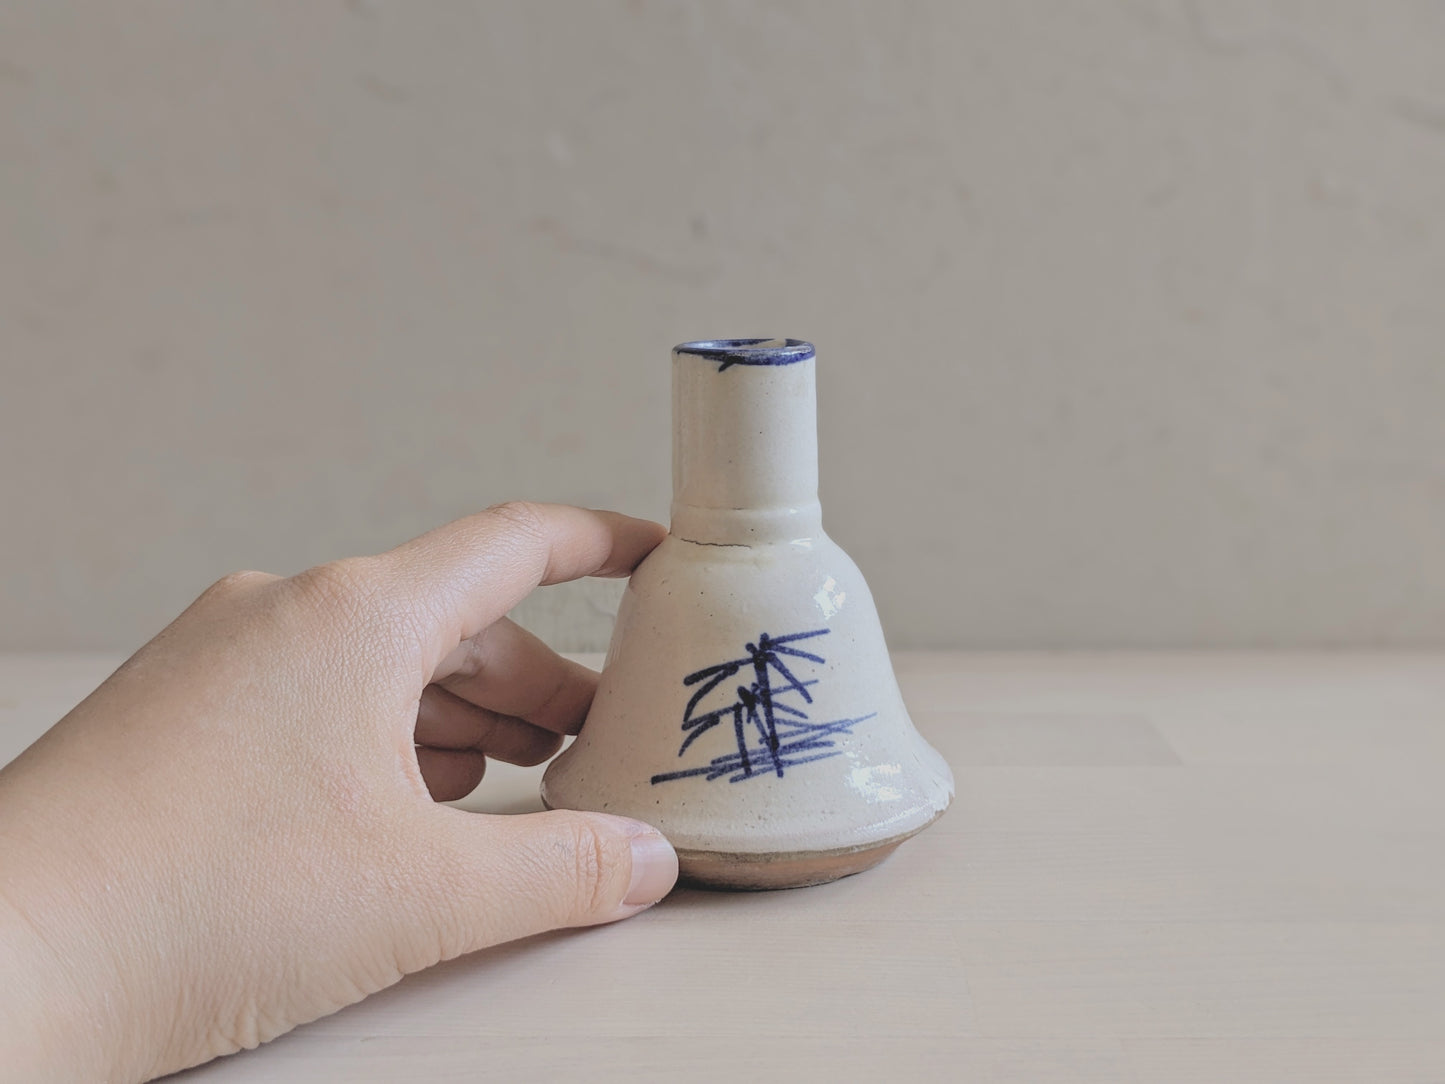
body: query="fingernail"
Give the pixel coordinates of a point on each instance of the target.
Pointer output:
(654, 868)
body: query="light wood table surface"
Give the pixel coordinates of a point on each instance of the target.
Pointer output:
(1159, 867)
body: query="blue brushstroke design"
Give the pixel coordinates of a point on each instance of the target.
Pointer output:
(785, 736)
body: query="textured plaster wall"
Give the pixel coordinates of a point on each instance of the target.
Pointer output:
(1131, 315)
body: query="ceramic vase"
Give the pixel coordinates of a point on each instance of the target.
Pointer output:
(747, 707)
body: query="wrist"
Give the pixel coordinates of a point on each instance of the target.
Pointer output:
(66, 1008)
(49, 1028)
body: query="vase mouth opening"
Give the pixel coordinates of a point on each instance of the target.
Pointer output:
(728, 352)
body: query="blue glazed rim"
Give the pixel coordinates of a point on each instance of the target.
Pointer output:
(728, 352)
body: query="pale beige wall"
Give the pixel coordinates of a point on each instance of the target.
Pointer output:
(1131, 315)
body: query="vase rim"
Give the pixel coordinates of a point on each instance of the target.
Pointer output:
(748, 351)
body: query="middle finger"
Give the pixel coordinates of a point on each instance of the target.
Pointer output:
(444, 721)
(507, 669)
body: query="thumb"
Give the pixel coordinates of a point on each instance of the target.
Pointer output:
(513, 876)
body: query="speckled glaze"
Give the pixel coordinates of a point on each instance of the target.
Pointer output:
(747, 706)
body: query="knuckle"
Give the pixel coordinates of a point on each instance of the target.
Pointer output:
(234, 584)
(337, 585)
(356, 601)
(525, 516)
(593, 861)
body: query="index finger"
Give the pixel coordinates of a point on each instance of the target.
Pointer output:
(467, 574)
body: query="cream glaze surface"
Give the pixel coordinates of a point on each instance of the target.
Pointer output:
(747, 704)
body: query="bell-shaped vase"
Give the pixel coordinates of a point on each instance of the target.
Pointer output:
(747, 707)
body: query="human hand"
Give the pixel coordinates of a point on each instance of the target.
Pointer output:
(238, 831)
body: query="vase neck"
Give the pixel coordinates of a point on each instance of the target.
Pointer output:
(744, 441)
